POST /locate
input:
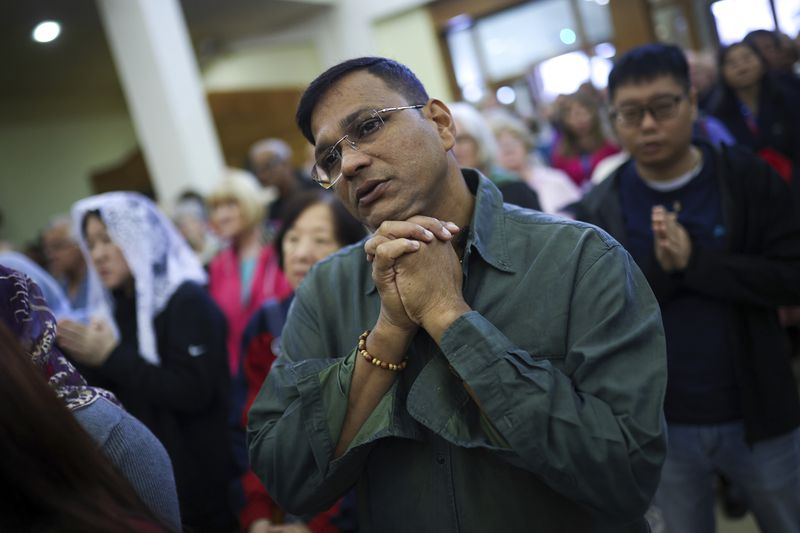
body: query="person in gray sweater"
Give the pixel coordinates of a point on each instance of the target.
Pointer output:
(131, 447)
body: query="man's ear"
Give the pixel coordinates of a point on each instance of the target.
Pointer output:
(439, 113)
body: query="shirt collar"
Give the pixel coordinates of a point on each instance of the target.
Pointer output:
(487, 226)
(487, 233)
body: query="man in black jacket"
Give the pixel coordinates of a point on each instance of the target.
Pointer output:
(718, 239)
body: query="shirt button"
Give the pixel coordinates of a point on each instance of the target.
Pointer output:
(440, 458)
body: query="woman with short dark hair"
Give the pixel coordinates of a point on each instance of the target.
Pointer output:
(315, 225)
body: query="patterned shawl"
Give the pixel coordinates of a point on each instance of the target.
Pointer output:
(26, 314)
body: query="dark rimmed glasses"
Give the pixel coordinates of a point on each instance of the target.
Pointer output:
(361, 132)
(660, 108)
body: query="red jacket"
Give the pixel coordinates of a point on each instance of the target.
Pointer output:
(580, 168)
(263, 331)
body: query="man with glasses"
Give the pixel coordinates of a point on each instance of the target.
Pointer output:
(718, 238)
(270, 160)
(474, 366)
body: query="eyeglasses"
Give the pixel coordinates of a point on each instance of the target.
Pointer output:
(661, 108)
(362, 131)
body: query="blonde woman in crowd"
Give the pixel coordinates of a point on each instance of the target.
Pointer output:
(242, 276)
(245, 273)
(476, 148)
(515, 142)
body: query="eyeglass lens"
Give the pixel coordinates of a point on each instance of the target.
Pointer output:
(361, 131)
(660, 109)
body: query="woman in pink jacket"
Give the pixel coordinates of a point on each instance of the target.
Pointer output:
(241, 277)
(245, 273)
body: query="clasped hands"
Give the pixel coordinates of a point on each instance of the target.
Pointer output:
(417, 274)
(91, 344)
(673, 247)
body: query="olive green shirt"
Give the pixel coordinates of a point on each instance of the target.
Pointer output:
(564, 349)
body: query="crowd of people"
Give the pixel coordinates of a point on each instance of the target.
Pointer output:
(583, 321)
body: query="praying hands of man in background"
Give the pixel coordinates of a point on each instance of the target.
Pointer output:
(673, 246)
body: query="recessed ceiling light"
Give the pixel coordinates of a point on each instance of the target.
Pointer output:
(567, 36)
(506, 95)
(46, 31)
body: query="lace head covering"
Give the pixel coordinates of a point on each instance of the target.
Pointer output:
(158, 257)
(25, 313)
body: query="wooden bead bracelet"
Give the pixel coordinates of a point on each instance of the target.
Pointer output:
(362, 350)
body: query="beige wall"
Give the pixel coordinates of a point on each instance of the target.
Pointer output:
(410, 38)
(46, 165)
(261, 67)
(45, 162)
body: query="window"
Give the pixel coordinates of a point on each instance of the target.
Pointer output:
(464, 54)
(565, 73)
(788, 12)
(736, 18)
(596, 20)
(515, 39)
(511, 43)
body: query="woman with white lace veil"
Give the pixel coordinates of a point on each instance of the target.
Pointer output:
(162, 352)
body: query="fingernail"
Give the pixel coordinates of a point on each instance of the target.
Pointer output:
(451, 226)
(428, 234)
(415, 244)
(446, 232)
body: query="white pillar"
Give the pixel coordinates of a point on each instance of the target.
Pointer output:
(347, 29)
(344, 32)
(162, 85)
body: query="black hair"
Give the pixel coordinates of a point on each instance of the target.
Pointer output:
(753, 35)
(346, 229)
(727, 104)
(85, 220)
(648, 62)
(395, 75)
(725, 50)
